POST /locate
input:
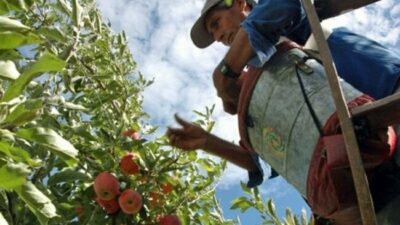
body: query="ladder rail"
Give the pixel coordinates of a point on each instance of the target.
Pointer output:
(360, 180)
(332, 8)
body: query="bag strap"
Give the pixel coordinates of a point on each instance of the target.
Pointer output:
(307, 100)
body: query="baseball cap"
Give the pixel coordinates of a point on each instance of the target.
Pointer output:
(199, 34)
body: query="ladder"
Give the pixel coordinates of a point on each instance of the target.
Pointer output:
(381, 113)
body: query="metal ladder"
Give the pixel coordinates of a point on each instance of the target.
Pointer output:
(380, 113)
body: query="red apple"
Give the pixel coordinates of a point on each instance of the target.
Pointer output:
(170, 220)
(130, 201)
(155, 199)
(128, 164)
(110, 206)
(79, 210)
(131, 133)
(106, 186)
(167, 187)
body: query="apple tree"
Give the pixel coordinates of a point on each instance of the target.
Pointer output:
(268, 214)
(73, 147)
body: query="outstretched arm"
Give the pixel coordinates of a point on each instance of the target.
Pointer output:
(190, 137)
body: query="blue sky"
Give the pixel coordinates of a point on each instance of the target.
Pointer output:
(158, 36)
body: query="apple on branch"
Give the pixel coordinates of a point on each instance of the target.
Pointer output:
(110, 206)
(130, 201)
(128, 164)
(170, 220)
(106, 186)
(131, 133)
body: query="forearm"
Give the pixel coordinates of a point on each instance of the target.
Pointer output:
(231, 152)
(236, 58)
(240, 52)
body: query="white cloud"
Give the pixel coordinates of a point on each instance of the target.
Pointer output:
(379, 21)
(275, 188)
(232, 177)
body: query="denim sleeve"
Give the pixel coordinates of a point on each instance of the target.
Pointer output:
(269, 20)
(255, 177)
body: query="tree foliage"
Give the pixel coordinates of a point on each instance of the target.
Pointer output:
(69, 92)
(252, 200)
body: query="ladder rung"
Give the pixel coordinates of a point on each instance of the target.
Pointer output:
(381, 113)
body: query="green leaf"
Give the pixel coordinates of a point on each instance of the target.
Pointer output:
(37, 202)
(192, 155)
(6, 135)
(8, 70)
(245, 188)
(13, 175)
(256, 194)
(81, 131)
(53, 33)
(3, 7)
(13, 39)
(32, 38)
(7, 24)
(99, 23)
(17, 154)
(65, 7)
(9, 54)
(205, 164)
(228, 3)
(304, 217)
(290, 220)
(24, 112)
(77, 12)
(29, 3)
(46, 63)
(2, 220)
(271, 209)
(312, 221)
(241, 203)
(51, 140)
(68, 175)
(6, 107)
(70, 105)
(17, 5)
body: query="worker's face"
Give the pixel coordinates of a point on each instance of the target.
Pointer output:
(223, 24)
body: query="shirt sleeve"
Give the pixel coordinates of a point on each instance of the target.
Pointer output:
(269, 20)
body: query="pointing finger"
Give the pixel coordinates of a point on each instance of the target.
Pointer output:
(181, 121)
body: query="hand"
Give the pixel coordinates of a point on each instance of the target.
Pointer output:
(228, 90)
(230, 107)
(189, 137)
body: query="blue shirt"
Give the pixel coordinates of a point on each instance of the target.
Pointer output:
(365, 64)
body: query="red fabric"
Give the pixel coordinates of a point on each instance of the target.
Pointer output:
(330, 188)
(249, 81)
